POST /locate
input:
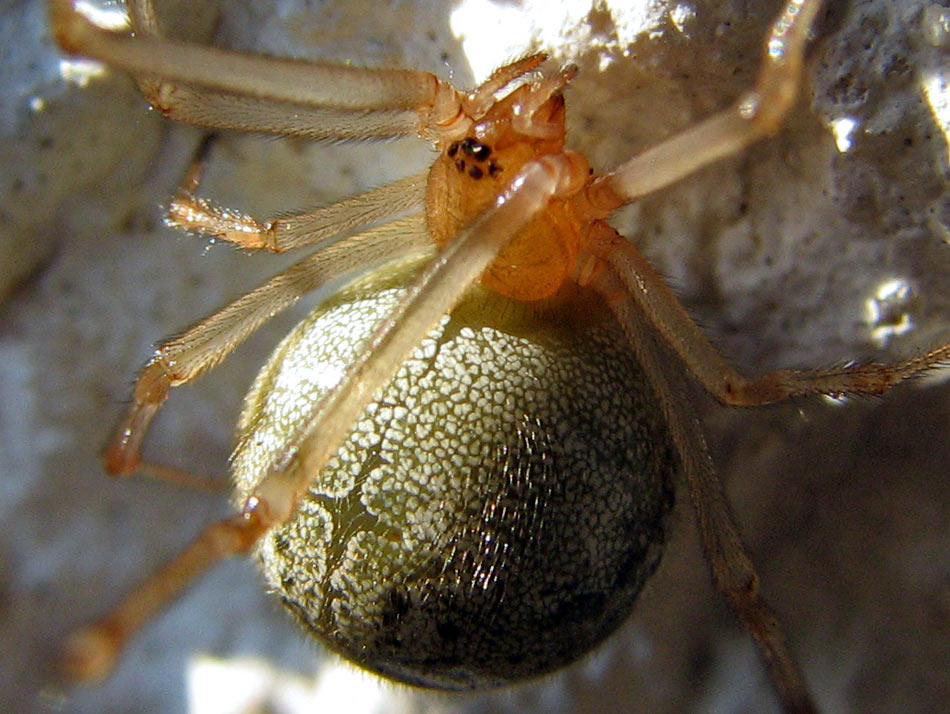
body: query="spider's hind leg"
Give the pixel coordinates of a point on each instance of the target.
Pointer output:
(733, 572)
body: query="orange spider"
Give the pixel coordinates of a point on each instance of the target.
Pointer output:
(463, 482)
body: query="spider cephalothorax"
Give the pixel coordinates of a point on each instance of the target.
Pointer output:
(469, 174)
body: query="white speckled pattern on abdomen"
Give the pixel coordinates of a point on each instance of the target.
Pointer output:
(492, 515)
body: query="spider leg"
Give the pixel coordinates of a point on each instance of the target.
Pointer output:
(482, 98)
(183, 358)
(219, 110)
(91, 651)
(296, 230)
(232, 90)
(756, 114)
(668, 317)
(181, 477)
(733, 571)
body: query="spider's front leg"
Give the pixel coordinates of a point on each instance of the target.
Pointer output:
(756, 114)
(220, 89)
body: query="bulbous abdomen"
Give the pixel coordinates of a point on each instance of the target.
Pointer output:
(492, 516)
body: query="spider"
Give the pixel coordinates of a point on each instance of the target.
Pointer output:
(476, 158)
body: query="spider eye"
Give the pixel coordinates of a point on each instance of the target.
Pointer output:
(475, 149)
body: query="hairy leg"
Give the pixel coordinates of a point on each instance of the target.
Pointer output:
(296, 230)
(703, 360)
(183, 358)
(257, 79)
(758, 113)
(733, 571)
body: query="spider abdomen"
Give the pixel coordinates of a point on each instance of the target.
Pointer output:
(493, 514)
